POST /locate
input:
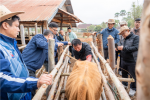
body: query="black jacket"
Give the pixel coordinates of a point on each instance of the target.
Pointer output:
(130, 48)
(85, 51)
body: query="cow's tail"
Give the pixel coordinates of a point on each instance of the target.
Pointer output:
(82, 90)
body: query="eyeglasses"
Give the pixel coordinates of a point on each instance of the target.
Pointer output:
(55, 30)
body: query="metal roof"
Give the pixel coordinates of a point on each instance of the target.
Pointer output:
(35, 10)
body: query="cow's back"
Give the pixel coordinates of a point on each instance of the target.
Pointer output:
(84, 82)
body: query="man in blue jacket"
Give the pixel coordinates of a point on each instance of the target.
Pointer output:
(54, 28)
(36, 52)
(60, 35)
(110, 30)
(14, 76)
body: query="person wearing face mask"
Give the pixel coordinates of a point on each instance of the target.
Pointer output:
(129, 51)
(81, 50)
(136, 29)
(110, 30)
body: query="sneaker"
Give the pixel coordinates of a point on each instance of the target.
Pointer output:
(120, 73)
(132, 92)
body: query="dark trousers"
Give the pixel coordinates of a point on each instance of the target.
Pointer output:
(106, 54)
(130, 67)
(70, 49)
(32, 74)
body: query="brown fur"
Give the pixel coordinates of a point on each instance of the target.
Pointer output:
(84, 82)
(86, 34)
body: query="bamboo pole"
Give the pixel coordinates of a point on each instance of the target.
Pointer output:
(60, 85)
(94, 39)
(66, 77)
(22, 34)
(122, 92)
(52, 91)
(100, 49)
(42, 89)
(60, 51)
(70, 57)
(107, 89)
(36, 31)
(51, 62)
(143, 60)
(22, 47)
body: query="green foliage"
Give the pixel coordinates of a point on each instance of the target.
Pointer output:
(103, 25)
(122, 13)
(116, 23)
(136, 11)
(91, 28)
(117, 15)
(97, 28)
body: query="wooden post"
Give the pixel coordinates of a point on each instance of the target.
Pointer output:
(42, 89)
(100, 49)
(122, 92)
(94, 39)
(143, 60)
(61, 21)
(29, 33)
(66, 36)
(51, 62)
(36, 30)
(22, 34)
(60, 51)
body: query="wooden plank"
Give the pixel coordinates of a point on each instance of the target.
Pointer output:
(22, 34)
(36, 30)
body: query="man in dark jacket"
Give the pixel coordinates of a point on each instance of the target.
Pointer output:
(60, 35)
(129, 51)
(36, 51)
(81, 50)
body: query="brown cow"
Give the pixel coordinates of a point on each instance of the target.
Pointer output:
(87, 34)
(84, 82)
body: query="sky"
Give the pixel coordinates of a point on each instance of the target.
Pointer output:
(98, 11)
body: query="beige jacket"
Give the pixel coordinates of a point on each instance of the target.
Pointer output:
(136, 33)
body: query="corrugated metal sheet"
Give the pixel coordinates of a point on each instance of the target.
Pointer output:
(35, 10)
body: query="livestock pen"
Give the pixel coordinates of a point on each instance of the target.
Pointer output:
(113, 88)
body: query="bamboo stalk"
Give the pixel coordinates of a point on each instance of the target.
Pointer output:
(94, 39)
(60, 85)
(107, 89)
(70, 57)
(66, 77)
(52, 91)
(42, 89)
(122, 92)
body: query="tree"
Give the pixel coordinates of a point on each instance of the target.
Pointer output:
(122, 13)
(98, 28)
(91, 28)
(116, 23)
(103, 25)
(117, 15)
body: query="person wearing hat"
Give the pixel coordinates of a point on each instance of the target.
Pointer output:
(110, 30)
(72, 36)
(14, 76)
(136, 29)
(129, 51)
(123, 23)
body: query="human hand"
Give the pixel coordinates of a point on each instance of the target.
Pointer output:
(69, 43)
(44, 79)
(116, 49)
(60, 44)
(120, 47)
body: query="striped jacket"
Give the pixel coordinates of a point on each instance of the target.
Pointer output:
(14, 80)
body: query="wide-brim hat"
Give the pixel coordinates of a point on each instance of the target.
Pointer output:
(6, 13)
(123, 23)
(124, 28)
(111, 21)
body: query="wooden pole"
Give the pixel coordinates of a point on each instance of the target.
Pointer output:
(51, 62)
(52, 91)
(100, 49)
(94, 39)
(122, 92)
(22, 34)
(60, 51)
(36, 30)
(143, 60)
(42, 89)
(28, 32)
(60, 84)
(22, 47)
(107, 88)
(66, 77)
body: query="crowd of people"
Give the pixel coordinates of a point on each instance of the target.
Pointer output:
(17, 71)
(126, 43)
